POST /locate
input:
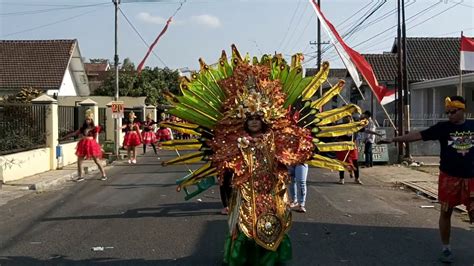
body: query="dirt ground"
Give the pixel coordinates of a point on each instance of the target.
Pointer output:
(431, 169)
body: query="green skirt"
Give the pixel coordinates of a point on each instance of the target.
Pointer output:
(245, 251)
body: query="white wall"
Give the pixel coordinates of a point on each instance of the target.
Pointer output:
(67, 86)
(69, 153)
(22, 164)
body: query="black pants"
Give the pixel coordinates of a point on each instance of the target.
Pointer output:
(153, 145)
(226, 189)
(356, 171)
(368, 154)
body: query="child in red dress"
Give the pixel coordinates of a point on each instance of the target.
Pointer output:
(133, 138)
(148, 135)
(88, 147)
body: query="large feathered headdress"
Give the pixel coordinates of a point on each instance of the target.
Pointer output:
(217, 100)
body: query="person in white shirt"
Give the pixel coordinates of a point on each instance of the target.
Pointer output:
(369, 139)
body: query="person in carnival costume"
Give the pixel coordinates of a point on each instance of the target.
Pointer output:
(133, 138)
(87, 147)
(148, 135)
(254, 120)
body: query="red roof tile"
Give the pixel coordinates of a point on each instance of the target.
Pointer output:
(91, 68)
(37, 63)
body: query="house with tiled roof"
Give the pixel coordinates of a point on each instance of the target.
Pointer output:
(433, 74)
(52, 66)
(97, 73)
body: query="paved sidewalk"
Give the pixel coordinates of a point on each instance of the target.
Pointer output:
(423, 183)
(44, 181)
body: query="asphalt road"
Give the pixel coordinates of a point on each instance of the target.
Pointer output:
(139, 218)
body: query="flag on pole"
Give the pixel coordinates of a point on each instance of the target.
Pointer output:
(467, 53)
(352, 59)
(388, 97)
(142, 63)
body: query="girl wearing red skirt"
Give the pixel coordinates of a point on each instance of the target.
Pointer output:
(351, 157)
(88, 147)
(148, 135)
(133, 138)
(164, 134)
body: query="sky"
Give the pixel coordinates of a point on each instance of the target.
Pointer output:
(203, 28)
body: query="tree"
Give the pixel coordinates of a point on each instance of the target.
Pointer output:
(128, 65)
(150, 83)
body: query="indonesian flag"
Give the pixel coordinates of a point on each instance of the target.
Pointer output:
(388, 97)
(352, 59)
(467, 53)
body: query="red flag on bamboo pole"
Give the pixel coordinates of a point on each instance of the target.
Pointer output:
(353, 60)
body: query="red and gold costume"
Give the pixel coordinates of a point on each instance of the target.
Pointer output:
(148, 135)
(88, 147)
(217, 103)
(132, 132)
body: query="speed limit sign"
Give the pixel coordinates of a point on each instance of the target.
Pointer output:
(117, 109)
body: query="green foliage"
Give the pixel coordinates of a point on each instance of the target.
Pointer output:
(150, 83)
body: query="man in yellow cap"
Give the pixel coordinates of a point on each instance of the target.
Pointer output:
(456, 176)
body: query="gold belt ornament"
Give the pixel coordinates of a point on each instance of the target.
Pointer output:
(269, 229)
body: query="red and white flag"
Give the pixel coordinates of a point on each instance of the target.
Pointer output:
(467, 53)
(352, 59)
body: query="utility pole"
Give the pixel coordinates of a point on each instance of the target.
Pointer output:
(406, 98)
(399, 82)
(319, 39)
(116, 64)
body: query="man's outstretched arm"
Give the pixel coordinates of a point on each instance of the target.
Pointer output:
(410, 137)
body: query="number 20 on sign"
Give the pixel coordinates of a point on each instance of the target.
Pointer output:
(117, 109)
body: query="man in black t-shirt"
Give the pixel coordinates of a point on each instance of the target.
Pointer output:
(456, 177)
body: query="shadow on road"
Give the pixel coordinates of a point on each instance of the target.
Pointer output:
(185, 209)
(313, 244)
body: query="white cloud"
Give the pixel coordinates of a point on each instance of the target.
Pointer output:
(207, 20)
(148, 18)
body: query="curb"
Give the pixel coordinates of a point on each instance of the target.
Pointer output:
(50, 184)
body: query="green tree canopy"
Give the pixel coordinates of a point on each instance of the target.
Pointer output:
(150, 83)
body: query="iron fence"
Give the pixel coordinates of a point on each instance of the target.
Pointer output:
(68, 119)
(22, 127)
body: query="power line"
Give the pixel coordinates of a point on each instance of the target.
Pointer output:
(375, 21)
(366, 13)
(289, 25)
(141, 37)
(434, 16)
(357, 26)
(39, 11)
(352, 16)
(461, 3)
(44, 4)
(340, 24)
(50, 24)
(409, 19)
(302, 33)
(293, 32)
(386, 30)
